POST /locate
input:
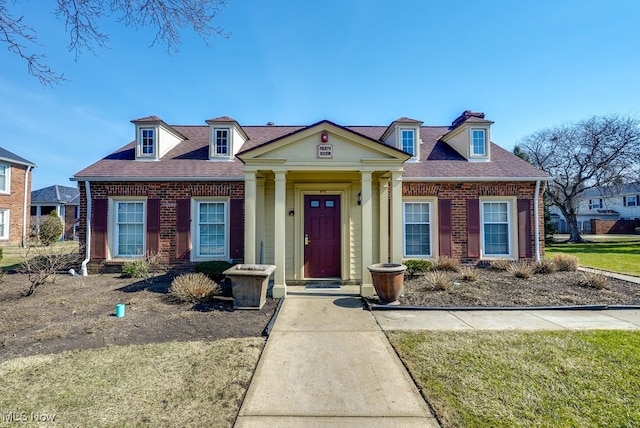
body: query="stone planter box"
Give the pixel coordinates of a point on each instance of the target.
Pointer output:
(249, 285)
(388, 280)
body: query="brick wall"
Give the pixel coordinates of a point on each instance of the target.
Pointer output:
(14, 202)
(168, 193)
(460, 193)
(601, 227)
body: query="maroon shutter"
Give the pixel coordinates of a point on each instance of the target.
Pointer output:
(473, 227)
(153, 225)
(183, 226)
(444, 227)
(236, 228)
(99, 229)
(524, 228)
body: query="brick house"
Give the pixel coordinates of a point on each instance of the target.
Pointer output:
(64, 200)
(15, 194)
(321, 201)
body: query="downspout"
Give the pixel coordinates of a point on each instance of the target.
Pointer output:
(87, 247)
(536, 221)
(24, 208)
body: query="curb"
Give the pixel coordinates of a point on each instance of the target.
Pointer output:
(376, 307)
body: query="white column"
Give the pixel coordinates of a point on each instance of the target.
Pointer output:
(384, 220)
(260, 224)
(396, 217)
(366, 284)
(250, 217)
(279, 213)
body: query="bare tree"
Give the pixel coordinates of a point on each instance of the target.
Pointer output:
(596, 152)
(40, 264)
(81, 19)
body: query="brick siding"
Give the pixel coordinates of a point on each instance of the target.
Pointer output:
(14, 202)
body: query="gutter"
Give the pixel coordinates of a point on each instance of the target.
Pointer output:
(87, 247)
(536, 220)
(24, 207)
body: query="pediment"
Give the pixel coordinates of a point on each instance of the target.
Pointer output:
(323, 144)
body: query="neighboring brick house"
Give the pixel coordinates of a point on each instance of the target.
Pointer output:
(15, 192)
(322, 201)
(64, 200)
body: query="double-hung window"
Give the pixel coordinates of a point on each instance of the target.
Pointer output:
(5, 178)
(408, 140)
(4, 224)
(595, 204)
(147, 142)
(478, 143)
(496, 228)
(211, 229)
(221, 142)
(417, 225)
(129, 228)
(631, 201)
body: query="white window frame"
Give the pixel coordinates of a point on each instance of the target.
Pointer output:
(115, 228)
(511, 225)
(472, 146)
(4, 221)
(195, 229)
(596, 204)
(414, 149)
(430, 227)
(630, 198)
(214, 143)
(7, 179)
(141, 142)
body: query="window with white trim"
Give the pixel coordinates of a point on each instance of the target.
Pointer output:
(4, 224)
(631, 201)
(129, 231)
(147, 142)
(595, 204)
(496, 228)
(5, 178)
(408, 141)
(417, 229)
(221, 142)
(478, 143)
(211, 229)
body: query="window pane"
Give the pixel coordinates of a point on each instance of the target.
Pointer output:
(130, 228)
(496, 228)
(3, 178)
(222, 141)
(478, 142)
(417, 229)
(211, 229)
(407, 141)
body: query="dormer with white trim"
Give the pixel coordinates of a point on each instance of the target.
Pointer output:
(470, 135)
(226, 137)
(154, 138)
(404, 134)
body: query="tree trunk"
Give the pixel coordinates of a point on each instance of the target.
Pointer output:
(572, 223)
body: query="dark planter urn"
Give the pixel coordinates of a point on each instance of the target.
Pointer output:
(388, 280)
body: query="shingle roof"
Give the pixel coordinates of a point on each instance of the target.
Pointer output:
(56, 194)
(190, 158)
(8, 156)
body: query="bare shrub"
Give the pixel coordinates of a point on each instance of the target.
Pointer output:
(522, 270)
(447, 264)
(193, 288)
(438, 280)
(39, 264)
(470, 274)
(565, 262)
(144, 267)
(544, 266)
(500, 264)
(594, 279)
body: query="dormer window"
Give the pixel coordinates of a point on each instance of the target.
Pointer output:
(478, 143)
(408, 141)
(148, 142)
(221, 142)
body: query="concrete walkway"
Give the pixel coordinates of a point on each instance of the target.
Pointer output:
(327, 363)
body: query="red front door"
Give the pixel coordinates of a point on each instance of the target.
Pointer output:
(322, 236)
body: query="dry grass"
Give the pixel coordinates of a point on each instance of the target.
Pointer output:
(469, 274)
(522, 270)
(170, 384)
(544, 266)
(193, 287)
(500, 264)
(594, 279)
(438, 280)
(447, 264)
(565, 262)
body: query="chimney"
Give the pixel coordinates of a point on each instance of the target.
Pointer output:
(466, 115)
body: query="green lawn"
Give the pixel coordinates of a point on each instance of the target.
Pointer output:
(614, 255)
(541, 379)
(14, 254)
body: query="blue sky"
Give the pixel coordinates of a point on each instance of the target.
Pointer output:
(527, 65)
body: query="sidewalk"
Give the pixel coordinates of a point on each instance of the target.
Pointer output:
(327, 363)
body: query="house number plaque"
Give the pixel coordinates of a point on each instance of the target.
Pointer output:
(325, 151)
